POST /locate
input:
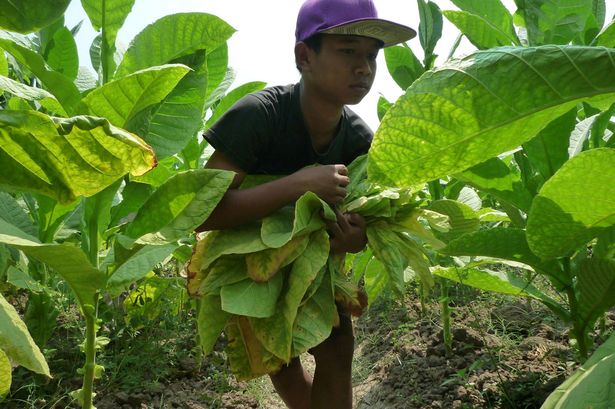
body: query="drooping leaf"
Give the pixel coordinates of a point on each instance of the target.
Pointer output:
(16, 342)
(217, 68)
(252, 299)
(66, 157)
(120, 100)
(108, 16)
(265, 264)
(462, 218)
(57, 84)
(487, 24)
(591, 386)
(181, 204)
(211, 321)
(403, 65)
(172, 37)
(574, 206)
(66, 260)
(47, 100)
(20, 279)
(455, 117)
(12, 212)
(27, 16)
(606, 38)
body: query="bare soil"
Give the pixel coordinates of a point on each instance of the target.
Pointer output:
(506, 353)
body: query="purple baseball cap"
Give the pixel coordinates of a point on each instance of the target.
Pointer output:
(348, 17)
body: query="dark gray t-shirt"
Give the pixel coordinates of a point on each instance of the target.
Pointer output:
(264, 133)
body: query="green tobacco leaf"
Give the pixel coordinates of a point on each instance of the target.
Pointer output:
(171, 124)
(217, 68)
(557, 21)
(27, 16)
(22, 280)
(120, 100)
(496, 178)
(315, 318)
(211, 320)
(181, 204)
(12, 212)
(172, 37)
(4, 64)
(232, 97)
(493, 281)
(596, 286)
(264, 264)
(462, 218)
(252, 299)
(47, 100)
(137, 266)
(548, 151)
(66, 157)
(95, 217)
(16, 342)
(486, 23)
(403, 65)
(455, 117)
(606, 38)
(383, 107)
(5, 374)
(57, 84)
(430, 29)
(387, 247)
(63, 56)
(591, 386)
(574, 206)
(276, 332)
(108, 16)
(52, 215)
(68, 261)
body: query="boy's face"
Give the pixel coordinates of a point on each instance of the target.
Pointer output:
(344, 68)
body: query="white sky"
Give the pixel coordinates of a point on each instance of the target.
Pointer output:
(262, 47)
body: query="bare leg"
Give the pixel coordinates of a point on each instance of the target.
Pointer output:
(332, 387)
(293, 384)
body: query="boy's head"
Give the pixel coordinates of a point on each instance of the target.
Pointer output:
(348, 17)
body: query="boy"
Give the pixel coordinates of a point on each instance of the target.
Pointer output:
(283, 129)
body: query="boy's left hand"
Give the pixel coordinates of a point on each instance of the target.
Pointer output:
(348, 233)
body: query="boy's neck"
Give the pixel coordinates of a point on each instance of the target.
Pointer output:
(322, 119)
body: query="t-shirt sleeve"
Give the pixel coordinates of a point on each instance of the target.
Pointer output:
(242, 132)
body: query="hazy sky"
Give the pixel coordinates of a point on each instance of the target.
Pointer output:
(262, 47)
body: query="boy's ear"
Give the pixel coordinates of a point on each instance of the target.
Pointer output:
(302, 56)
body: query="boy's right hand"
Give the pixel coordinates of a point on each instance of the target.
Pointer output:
(327, 181)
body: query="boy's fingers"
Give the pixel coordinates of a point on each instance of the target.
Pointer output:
(341, 169)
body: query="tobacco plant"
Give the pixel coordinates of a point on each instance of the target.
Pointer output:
(116, 146)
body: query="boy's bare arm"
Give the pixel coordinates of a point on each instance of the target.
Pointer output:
(239, 206)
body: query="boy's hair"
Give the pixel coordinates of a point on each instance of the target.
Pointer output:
(315, 43)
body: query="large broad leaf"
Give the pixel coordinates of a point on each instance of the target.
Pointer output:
(574, 206)
(596, 286)
(181, 204)
(119, 100)
(591, 386)
(59, 85)
(137, 266)
(210, 321)
(217, 69)
(47, 100)
(68, 261)
(558, 21)
(12, 212)
(403, 65)
(27, 16)
(172, 37)
(455, 117)
(66, 158)
(252, 299)
(463, 219)
(16, 342)
(63, 56)
(606, 38)
(487, 24)
(108, 16)
(168, 126)
(232, 97)
(496, 178)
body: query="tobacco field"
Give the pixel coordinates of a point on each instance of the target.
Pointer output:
(489, 194)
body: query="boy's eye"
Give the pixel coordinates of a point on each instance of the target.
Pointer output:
(347, 50)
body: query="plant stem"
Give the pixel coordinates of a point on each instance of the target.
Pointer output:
(446, 317)
(578, 329)
(89, 369)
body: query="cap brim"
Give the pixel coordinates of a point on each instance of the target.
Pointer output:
(388, 32)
